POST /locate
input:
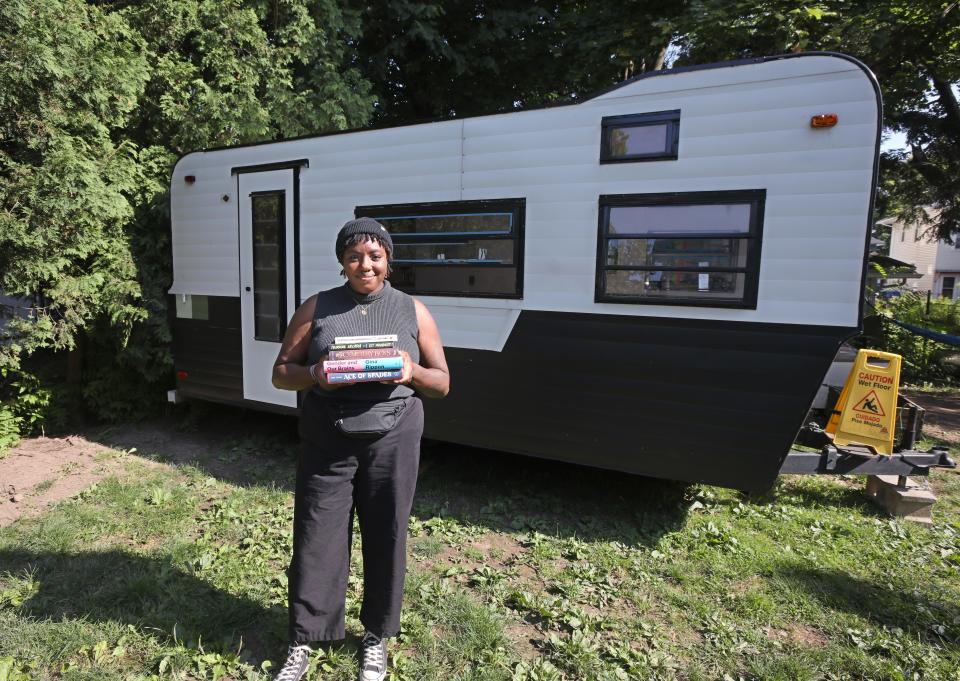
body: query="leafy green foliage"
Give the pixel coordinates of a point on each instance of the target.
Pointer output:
(24, 405)
(430, 60)
(72, 74)
(924, 360)
(96, 103)
(913, 46)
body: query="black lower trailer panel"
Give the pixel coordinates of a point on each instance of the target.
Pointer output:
(717, 402)
(693, 400)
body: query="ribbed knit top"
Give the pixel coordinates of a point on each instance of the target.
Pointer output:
(339, 312)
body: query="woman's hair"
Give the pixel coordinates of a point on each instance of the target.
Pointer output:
(355, 239)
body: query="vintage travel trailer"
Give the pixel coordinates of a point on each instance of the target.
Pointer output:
(653, 280)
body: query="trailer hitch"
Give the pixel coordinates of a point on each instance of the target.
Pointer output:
(832, 460)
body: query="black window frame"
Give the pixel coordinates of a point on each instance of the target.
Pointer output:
(516, 206)
(756, 198)
(670, 153)
(281, 262)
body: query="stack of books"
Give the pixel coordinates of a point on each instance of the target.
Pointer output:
(357, 359)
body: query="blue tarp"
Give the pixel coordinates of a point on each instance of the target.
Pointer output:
(927, 333)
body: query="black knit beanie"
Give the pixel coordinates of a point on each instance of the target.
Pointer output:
(362, 226)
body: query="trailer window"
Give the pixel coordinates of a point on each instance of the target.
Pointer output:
(460, 248)
(680, 249)
(269, 303)
(640, 137)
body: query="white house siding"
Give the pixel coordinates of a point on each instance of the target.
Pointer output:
(741, 127)
(948, 258)
(934, 259)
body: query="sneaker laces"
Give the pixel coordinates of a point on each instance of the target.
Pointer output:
(296, 656)
(372, 646)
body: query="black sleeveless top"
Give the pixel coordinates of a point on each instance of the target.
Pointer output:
(340, 312)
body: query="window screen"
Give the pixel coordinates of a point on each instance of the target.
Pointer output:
(685, 249)
(269, 266)
(640, 137)
(461, 248)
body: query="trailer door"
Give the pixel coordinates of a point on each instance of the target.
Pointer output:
(267, 297)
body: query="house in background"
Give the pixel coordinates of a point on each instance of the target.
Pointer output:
(937, 262)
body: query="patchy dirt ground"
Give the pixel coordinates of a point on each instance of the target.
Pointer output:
(942, 417)
(42, 471)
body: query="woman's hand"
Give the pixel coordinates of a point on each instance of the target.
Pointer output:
(320, 377)
(407, 376)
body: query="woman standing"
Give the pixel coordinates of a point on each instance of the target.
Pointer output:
(360, 450)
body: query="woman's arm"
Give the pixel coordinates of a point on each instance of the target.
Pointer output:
(291, 371)
(431, 376)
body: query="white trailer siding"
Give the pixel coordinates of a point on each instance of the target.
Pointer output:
(741, 127)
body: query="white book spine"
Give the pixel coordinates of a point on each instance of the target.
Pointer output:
(388, 338)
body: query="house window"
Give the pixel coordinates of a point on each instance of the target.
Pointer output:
(269, 265)
(946, 287)
(460, 248)
(700, 248)
(640, 137)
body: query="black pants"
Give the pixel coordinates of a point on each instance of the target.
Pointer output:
(336, 475)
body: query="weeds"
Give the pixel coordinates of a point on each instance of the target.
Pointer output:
(169, 573)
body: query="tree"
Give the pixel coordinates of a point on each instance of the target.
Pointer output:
(70, 79)
(431, 60)
(913, 46)
(97, 101)
(223, 72)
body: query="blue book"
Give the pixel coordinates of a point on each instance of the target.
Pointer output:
(362, 376)
(365, 364)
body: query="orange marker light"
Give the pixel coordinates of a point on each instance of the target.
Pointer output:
(190, 179)
(824, 120)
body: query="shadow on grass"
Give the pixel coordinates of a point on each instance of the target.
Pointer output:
(873, 601)
(820, 493)
(147, 592)
(511, 493)
(241, 446)
(499, 491)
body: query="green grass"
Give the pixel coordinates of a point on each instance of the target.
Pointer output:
(519, 570)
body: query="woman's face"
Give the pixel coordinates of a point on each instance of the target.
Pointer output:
(365, 266)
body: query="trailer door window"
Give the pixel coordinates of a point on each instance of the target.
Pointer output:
(460, 248)
(269, 277)
(640, 137)
(680, 249)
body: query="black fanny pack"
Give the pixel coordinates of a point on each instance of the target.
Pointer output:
(366, 421)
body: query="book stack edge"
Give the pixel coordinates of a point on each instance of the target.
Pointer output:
(360, 359)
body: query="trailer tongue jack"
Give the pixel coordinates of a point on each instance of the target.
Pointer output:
(888, 476)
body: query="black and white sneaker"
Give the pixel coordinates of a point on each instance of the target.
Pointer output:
(373, 658)
(298, 660)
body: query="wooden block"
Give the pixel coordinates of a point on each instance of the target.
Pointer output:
(911, 503)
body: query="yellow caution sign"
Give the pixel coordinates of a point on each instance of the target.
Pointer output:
(866, 411)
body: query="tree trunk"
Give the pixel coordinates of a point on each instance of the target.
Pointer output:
(661, 57)
(949, 103)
